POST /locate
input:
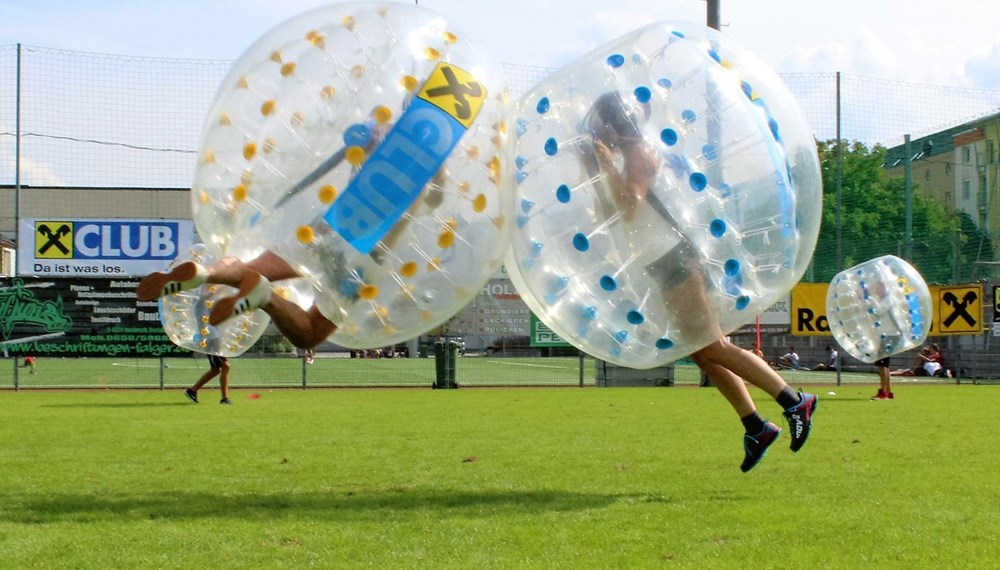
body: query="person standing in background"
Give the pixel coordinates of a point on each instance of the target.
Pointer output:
(885, 380)
(219, 366)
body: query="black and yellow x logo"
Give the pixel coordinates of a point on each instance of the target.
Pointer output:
(455, 92)
(960, 309)
(54, 240)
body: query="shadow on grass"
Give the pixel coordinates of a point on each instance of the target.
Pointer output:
(334, 505)
(824, 400)
(117, 405)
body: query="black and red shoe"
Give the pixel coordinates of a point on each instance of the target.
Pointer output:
(799, 419)
(755, 445)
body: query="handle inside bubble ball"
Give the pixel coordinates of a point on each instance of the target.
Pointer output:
(324, 167)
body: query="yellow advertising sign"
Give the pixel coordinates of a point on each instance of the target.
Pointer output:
(808, 312)
(958, 309)
(454, 91)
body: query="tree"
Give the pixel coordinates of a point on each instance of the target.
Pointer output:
(873, 219)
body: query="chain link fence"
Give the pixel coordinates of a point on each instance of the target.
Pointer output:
(117, 136)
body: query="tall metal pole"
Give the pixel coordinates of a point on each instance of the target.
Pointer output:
(840, 180)
(714, 15)
(908, 190)
(714, 128)
(17, 157)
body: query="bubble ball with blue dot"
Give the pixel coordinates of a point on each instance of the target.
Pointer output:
(879, 308)
(668, 191)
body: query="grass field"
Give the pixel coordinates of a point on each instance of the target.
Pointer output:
(494, 478)
(338, 372)
(290, 372)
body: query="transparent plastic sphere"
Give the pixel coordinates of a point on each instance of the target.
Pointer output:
(366, 144)
(184, 315)
(668, 192)
(879, 308)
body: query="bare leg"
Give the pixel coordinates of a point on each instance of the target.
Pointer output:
(742, 363)
(724, 362)
(730, 386)
(228, 271)
(205, 378)
(885, 379)
(305, 329)
(224, 381)
(231, 271)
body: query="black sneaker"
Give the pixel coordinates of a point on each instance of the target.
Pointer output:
(192, 395)
(225, 401)
(756, 445)
(799, 419)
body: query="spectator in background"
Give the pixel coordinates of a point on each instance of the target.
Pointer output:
(219, 366)
(934, 355)
(831, 361)
(791, 360)
(927, 363)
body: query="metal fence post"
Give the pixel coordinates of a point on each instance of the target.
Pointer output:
(581, 369)
(163, 365)
(16, 371)
(304, 374)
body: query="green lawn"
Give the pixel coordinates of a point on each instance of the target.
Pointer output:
(286, 372)
(486, 478)
(291, 372)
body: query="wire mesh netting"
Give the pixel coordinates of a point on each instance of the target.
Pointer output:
(82, 121)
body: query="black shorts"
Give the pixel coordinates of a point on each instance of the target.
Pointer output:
(882, 362)
(676, 266)
(216, 361)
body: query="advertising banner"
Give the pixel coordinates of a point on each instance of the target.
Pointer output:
(543, 336)
(92, 247)
(79, 317)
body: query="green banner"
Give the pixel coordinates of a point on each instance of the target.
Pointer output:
(542, 336)
(79, 317)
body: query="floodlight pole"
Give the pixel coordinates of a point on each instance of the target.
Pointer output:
(840, 183)
(908, 196)
(17, 166)
(714, 129)
(714, 14)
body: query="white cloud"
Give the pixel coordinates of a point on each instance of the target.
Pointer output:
(984, 71)
(37, 174)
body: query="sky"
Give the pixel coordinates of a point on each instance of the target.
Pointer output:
(934, 65)
(921, 41)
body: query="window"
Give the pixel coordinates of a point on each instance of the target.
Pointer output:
(966, 189)
(966, 154)
(947, 199)
(927, 175)
(990, 152)
(947, 168)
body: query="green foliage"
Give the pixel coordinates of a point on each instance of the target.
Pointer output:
(514, 478)
(273, 343)
(873, 219)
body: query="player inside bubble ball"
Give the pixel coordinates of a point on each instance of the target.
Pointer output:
(630, 166)
(304, 328)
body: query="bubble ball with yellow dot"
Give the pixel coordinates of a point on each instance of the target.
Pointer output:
(382, 120)
(184, 315)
